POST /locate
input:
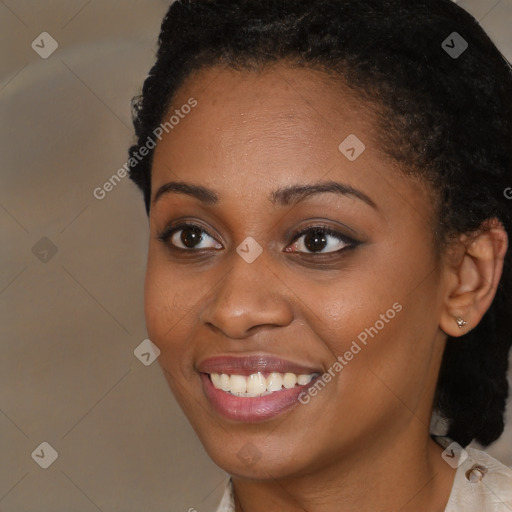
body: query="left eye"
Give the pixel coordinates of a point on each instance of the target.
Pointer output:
(320, 240)
(190, 236)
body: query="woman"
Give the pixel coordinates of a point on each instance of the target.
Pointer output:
(326, 188)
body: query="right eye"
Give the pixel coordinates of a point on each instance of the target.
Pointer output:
(188, 237)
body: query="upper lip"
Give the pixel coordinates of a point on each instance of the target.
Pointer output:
(247, 365)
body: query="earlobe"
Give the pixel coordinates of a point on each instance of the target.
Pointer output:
(454, 326)
(473, 279)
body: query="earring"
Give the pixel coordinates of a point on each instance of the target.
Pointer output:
(460, 322)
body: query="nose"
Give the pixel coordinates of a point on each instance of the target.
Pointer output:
(249, 297)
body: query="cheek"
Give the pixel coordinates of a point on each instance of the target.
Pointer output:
(370, 315)
(173, 295)
(159, 301)
(168, 305)
(353, 300)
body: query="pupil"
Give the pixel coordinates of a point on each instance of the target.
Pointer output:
(191, 236)
(315, 241)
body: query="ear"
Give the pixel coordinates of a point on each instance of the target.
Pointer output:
(473, 268)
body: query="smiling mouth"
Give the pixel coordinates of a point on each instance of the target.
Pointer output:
(259, 384)
(254, 387)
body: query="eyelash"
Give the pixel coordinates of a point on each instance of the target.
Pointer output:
(168, 232)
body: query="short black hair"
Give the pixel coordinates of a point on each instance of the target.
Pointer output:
(443, 116)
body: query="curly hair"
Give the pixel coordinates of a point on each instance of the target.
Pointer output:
(447, 118)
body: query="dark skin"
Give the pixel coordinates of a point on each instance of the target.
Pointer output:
(363, 442)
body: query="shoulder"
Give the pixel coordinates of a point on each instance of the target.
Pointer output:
(481, 483)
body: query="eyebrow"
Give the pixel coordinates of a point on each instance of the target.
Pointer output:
(284, 196)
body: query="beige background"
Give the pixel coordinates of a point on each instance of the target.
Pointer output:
(68, 375)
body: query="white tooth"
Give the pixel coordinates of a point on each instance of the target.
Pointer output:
(304, 379)
(238, 384)
(290, 379)
(256, 384)
(274, 382)
(224, 382)
(215, 380)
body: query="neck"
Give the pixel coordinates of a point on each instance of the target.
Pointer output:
(407, 475)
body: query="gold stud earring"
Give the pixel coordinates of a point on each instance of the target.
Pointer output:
(460, 322)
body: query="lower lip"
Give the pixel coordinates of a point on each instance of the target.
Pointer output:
(251, 409)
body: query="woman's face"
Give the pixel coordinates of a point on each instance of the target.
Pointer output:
(242, 293)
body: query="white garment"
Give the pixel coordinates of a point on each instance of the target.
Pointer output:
(493, 493)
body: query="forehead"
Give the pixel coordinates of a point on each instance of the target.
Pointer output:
(254, 133)
(280, 121)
